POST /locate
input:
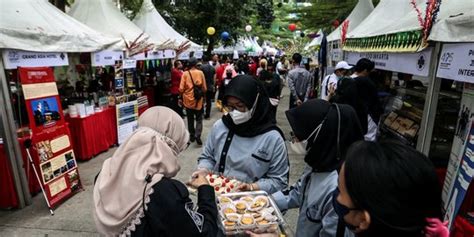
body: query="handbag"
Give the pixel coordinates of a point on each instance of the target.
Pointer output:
(197, 90)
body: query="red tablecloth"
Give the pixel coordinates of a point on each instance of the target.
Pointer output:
(93, 134)
(8, 195)
(462, 228)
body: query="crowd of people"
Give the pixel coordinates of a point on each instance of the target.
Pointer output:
(352, 185)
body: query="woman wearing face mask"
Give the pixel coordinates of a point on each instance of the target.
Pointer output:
(323, 132)
(389, 189)
(245, 144)
(135, 195)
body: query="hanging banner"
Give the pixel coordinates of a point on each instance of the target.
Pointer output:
(459, 141)
(17, 58)
(462, 177)
(129, 63)
(119, 84)
(127, 120)
(51, 137)
(105, 57)
(457, 62)
(411, 63)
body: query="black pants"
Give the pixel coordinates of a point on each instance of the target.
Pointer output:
(192, 115)
(174, 105)
(209, 97)
(273, 111)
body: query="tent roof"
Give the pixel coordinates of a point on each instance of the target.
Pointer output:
(105, 17)
(389, 17)
(36, 25)
(150, 21)
(358, 14)
(455, 22)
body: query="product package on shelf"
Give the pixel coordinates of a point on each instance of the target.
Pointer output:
(255, 211)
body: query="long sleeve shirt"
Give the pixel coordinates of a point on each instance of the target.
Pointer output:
(171, 212)
(262, 159)
(312, 194)
(299, 82)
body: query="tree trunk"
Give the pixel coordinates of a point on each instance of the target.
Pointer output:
(210, 46)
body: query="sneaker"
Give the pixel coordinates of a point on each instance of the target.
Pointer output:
(192, 139)
(207, 117)
(198, 141)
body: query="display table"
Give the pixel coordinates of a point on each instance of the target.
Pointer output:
(8, 195)
(93, 134)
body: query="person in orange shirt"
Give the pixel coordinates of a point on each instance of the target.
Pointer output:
(194, 109)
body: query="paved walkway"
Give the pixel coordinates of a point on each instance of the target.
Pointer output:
(74, 217)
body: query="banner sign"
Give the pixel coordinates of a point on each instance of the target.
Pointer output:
(106, 58)
(127, 120)
(460, 137)
(51, 140)
(463, 176)
(152, 55)
(411, 63)
(129, 63)
(457, 62)
(17, 58)
(119, 83)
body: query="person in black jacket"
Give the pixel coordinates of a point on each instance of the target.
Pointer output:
(135, 195)
(271, 82)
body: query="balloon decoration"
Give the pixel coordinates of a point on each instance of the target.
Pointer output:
(335, 23)
(257, 38)
(302, 34)
(278, 37)
(279, 4)
(211, 30)
(248, 28)
(225, 35)
(292, 27)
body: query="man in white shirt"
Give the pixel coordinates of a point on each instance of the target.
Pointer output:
(340, 71)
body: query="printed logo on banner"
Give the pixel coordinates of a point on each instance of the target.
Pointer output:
(13, 56)
(446, 59)
(421, 62)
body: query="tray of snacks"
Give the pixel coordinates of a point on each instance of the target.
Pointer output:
(220, 183)
(254, 211)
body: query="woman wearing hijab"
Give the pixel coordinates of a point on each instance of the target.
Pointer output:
(323, 132)
(135, 195)
(245, 144)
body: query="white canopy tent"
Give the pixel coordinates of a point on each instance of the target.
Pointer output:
(316, 41)
(150, 21)
(37, 25)
(455, 22)
(105, 17)
(358, 14)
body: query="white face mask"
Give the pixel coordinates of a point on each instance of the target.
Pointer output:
(242, 117)
(300, 148)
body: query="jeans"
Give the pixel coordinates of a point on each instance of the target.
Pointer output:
(174, 105)
(192, 115)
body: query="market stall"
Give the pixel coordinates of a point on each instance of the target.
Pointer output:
(35, 34)
(357, 15)
(454, 31)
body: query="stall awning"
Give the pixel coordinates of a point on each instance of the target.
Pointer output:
(36, 25)
(455, 22)
(358, 14)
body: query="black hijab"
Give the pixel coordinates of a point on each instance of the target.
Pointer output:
(245, 88)
(325, 154)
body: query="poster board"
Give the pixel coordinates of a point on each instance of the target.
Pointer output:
(462, 178)
(457, 62)
(51, 139)
(127, 120)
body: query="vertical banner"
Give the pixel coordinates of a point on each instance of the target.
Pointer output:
(463, 177)
(460, 138)
(119, 83)
(127, 120)
(51, 140)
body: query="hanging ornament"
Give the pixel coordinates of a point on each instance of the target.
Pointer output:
(211, 30)
(279, 4)
(335, 23)
(225, 35)
(248, 28)
(302, 34)
(292, 27)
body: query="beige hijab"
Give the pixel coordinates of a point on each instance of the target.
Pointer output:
(151, 149)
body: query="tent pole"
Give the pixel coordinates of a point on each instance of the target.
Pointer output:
(10, 140)
(431, 104)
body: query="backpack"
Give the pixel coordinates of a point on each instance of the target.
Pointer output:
(197, 90)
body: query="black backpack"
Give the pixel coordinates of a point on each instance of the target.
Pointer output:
(197, 90)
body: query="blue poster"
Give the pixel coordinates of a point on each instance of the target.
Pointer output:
(119, 83)
(463, 178)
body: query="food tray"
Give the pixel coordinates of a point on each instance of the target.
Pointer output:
(271, 222)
